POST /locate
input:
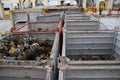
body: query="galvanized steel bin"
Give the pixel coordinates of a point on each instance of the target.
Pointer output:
(90, 70)
(18, 18)
(23, 16)
(32, 69)
(78, 25)
(91, 55)
(78, 16)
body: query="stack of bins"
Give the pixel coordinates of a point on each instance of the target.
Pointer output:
(18, 18)
(22, 16)
(35, 70)
(80, 21)
(47, 22)
(89, 54)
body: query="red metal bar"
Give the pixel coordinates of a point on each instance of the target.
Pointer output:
(60, 26)
(59, 29)
(22, 26)
(40, 31)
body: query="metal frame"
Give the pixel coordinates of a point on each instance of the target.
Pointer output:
(32, 26)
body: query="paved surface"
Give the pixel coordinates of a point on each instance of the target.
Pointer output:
(5, 26)
(110, 22)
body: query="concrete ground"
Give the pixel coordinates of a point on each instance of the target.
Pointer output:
(5, 26)
(110, 22)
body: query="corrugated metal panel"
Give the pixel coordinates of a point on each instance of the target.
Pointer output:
(20, 16)
(44, 26)
(34, 15)
(76, 25)
(88, 42)
(49, 17)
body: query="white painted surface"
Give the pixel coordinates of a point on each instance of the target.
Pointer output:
(110, 23)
